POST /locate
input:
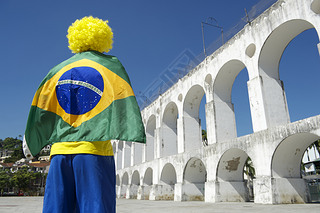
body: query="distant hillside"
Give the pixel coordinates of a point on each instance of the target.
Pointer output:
(15, 145)
(10, 144)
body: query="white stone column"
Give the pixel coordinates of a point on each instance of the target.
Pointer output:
(157, 144)
(132, 154)
(268, 103)
(144, 153)
(140, 193)
(154, 194)
(211, 194)
(132, 191)
(178, 192)
(123, 191)
(210, 123)
(115, 155)
(262, 189)
(180, 135)
(225, 121)
(192, 133)
(118, 191)
(126, 155)
(268, 190)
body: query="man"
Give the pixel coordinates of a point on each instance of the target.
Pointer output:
(81, 105)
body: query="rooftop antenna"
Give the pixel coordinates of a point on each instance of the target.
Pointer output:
(209, 22)
(247, 16)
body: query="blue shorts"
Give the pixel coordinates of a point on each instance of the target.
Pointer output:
(80, 183)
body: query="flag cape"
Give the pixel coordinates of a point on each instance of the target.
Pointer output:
(85, 98)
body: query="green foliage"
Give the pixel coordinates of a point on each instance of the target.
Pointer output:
(15, 145)
(5, 179)
(249, 169)
(22, 179)
(16, 155)
(204, 138)
(10, 143)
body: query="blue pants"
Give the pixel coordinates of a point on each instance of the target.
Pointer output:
(80, 183)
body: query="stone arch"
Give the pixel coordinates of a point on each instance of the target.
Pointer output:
(287, 157)
(230, 177)
(276, 43)
(135, 183)
(148, 177)
(135, 178)
(191, 120)
(147, 183)
(315, 6)
(224, 108)
(150, 135)
(268, 63)
(169, 144)
(301, 59)
(194, 176)
(124, 185)
(286, 168)
(208, 80)
(168, 179)
(125, 179)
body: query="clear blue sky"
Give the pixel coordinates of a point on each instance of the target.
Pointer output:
(149, 35)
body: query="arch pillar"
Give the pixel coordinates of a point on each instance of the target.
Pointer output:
(144, 153)
(140, 193)
(122, 191)
(132, 155)
(180, 135)
(211, 194)
(158, 139)
(118, 191)
(162, 192)
(225, 122)
(127, 155)
(226, 191)
(268, 103)
(191, 138)
(269, 190)
(210, 123)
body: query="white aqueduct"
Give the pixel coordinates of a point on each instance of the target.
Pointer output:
(175, 165)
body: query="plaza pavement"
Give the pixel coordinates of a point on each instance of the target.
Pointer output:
(34, 205)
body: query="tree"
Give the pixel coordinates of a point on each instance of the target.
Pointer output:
(16, 155)
(10, 143)
(204, 138)
(249, 169)
(5, 179)
(22, 179)
(250, 172)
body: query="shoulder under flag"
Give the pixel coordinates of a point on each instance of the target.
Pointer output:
(101, 105)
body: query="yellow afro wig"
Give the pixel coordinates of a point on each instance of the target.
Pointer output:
(90, 33)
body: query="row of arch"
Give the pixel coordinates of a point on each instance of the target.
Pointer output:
(173, 125)
(188, 181)
(187, 126)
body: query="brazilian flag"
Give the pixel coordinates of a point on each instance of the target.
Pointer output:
(85, 98)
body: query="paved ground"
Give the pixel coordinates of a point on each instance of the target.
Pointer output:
(34, 205)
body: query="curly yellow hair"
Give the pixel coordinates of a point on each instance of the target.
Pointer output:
(90, 33)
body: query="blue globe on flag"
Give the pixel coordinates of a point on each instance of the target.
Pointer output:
(79, 90)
